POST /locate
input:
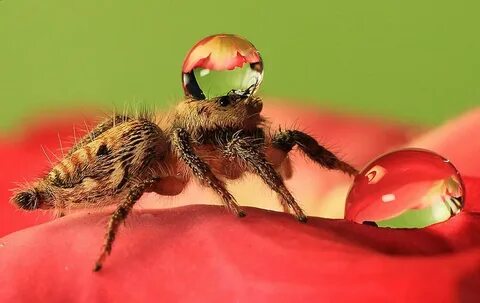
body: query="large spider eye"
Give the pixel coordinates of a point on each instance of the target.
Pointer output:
(224, 101)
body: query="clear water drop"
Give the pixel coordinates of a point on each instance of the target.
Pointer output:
(409, 188)
(222, 64)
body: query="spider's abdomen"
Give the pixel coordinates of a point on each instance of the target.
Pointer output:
(103, 167)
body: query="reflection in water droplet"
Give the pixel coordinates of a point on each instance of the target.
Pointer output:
(408, 188)
(220, 65)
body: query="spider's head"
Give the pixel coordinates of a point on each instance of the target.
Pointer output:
(229, 111)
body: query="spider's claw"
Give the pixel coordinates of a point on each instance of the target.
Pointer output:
(97, 267)
(302, 218)
(241, 214)
(348, 169)
(99, 264)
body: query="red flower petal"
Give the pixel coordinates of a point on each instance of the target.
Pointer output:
(456, 141)
(204, 254)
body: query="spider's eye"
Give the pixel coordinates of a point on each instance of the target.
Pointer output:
(224, 101)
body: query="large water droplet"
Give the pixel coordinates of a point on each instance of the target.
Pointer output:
(408, 188)
(220, 65)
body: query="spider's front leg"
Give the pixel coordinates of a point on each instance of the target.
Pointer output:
(182, 145)
(248, 151)
(286, 140)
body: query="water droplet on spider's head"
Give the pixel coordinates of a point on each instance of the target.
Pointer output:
(222, 64)
(409, 188)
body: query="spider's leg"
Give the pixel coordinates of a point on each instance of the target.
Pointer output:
(286, 140)
(128, 173)
(182, 144)
(119, 216)
(255, 161)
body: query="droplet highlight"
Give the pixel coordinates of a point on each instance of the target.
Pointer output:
(409, 188)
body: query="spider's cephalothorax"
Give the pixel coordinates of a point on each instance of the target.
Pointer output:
(213, 140)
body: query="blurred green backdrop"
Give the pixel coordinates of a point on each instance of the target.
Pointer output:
(411, 60)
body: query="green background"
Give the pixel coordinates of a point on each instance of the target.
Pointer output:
(411, 60)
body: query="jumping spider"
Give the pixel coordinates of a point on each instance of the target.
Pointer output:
(213, 140)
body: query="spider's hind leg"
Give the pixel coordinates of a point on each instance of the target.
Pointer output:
(140, 144)
(119, 216)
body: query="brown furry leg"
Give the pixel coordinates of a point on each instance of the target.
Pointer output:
(118, 217)
(182, 145)
(286, 140)
(256, 163)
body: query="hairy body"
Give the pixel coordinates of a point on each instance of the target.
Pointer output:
(213, 141)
